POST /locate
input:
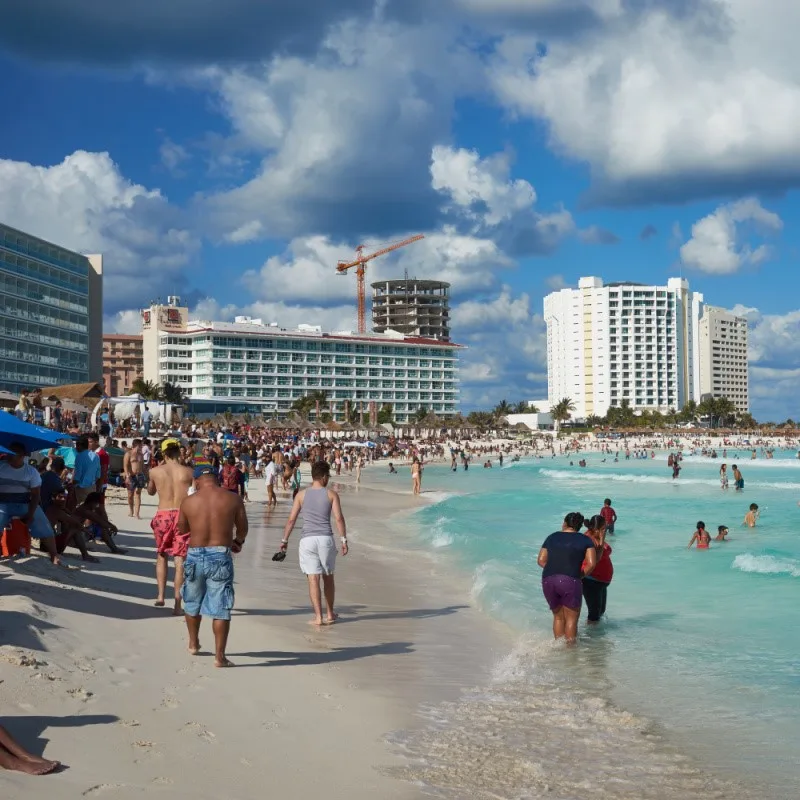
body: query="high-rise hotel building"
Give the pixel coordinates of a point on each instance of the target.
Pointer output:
(250, 366)
(607, 344)
(51, 313)
(723, 357)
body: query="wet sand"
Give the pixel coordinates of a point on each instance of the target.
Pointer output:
(94, 676)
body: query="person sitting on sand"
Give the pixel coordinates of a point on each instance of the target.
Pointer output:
(701, 536)
(14, 757)
(722, 532)
(317, 548)
(751, 517)
(52, 499)
(91, 514)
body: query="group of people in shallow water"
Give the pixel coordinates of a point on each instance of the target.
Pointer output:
(576, 567)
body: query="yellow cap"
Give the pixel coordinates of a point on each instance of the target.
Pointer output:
(169, 443)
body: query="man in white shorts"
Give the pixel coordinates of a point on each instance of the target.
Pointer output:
(317, 548)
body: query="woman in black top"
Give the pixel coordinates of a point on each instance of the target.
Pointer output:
(566, 557)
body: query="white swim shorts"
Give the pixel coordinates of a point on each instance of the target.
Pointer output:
(317, 555)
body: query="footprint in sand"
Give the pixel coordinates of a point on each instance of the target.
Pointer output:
(324, 696)
(170, 702)
(352, 686)
(163, 781)
(203, 733)
(279, 711)
(102, 787)
(129, 723)
(80, 693)
(271, 726)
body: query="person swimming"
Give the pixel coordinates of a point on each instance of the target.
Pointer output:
(722, 532)
(701, 536)
(751, 517)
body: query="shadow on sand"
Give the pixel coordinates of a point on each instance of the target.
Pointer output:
(279, 658)
(29, 730)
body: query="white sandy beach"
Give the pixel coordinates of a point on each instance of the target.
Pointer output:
(94, 676)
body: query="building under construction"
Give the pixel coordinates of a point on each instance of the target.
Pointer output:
(412, 307)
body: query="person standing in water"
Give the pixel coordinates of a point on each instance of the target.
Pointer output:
(595, 586)
(416, 476)
(701, 536)
(723, 476)
(566, 557)
(609, 516)
(317, 548)
(737, 477)
(171, 481)
(751, 517)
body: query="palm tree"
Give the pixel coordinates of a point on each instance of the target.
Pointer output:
(308, 403)
(502, 409)
(561, 412)
(688, 412)
(480, 419)
(172, 394)
(147, 389)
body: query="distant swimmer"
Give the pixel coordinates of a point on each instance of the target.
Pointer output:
(722, 532)
(738, 479)
(676, 470)
(751, 517)
(701, 536)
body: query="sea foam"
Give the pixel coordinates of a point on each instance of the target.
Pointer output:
(767, 565)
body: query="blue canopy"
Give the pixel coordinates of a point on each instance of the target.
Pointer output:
(67, 453)
(31, 436)
(5, 451)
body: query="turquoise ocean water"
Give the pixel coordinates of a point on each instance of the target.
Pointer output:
(695, 671)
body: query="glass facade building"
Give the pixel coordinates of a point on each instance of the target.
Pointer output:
(50, 313)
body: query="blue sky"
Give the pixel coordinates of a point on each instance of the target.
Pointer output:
(233, 152)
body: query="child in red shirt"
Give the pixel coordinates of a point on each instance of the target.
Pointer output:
(609, 515)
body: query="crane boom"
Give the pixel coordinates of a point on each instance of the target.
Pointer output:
(361, 267)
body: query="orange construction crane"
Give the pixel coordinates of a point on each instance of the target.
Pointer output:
(361, 267)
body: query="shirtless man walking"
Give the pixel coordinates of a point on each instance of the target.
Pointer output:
(133, 472)
(209, 517)
(171, 481)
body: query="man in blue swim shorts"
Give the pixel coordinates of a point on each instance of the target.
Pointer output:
(209, 517)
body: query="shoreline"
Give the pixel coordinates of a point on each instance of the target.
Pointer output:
(89, 666)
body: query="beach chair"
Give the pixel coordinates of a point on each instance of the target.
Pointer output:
(15, 539)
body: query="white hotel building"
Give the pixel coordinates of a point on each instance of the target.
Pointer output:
(723, 357)
(623, 341)
(249, 366)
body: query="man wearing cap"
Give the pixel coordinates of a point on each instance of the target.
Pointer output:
(209, 517)
(171, 481)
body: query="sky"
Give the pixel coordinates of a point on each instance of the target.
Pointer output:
(232, 152)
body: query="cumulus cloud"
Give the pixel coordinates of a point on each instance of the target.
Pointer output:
(503, 310)
(716, 245)
(86, 204)
(344, 137)
(482, 194)
(666, 101)
(555, 282)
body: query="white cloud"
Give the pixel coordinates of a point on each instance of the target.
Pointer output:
(501, 311)
(345, 137)
(248, 232)
(716, 245)
(555, 282)
(127, 321)
(86, 204)
(173, 156)
(483, 195)
(669, 100)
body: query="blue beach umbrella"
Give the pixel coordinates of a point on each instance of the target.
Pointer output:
(5, 451)
(31, 436)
